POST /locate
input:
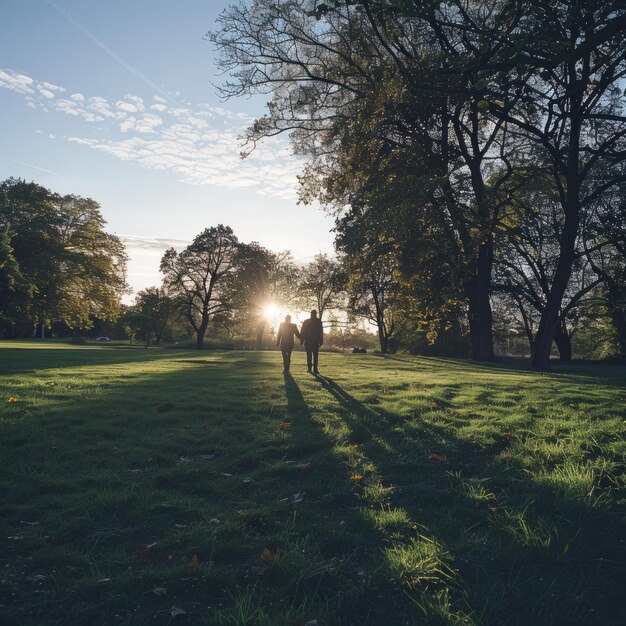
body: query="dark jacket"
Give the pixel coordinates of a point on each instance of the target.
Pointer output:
(286, 331)
(312, 330)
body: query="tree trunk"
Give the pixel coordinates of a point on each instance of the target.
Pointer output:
(201, 331)
(480, 316)
(564, 344)
(549, 323)
(384, 341)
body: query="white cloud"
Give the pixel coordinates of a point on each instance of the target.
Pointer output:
(16, 82)
(198, 143)
(46, 93)
(52, 86)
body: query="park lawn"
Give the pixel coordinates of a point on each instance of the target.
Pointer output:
(166, 486)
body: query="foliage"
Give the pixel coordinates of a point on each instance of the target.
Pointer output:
(197, 277)
(320, 285)
(73, 268)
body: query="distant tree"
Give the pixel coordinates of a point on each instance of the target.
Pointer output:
(605, 247)
(372, 278)
(198, 277)
(158, 310)
(321, 285)
(263, 279)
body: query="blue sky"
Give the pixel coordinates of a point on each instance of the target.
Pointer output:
(113, 100)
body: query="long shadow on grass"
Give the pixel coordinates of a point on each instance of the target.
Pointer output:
(518, 572)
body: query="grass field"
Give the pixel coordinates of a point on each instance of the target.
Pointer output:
(164, 486)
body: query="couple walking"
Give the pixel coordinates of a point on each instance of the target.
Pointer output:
(311, 335)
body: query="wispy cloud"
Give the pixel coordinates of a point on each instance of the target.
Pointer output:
(200, 143)
(156, 244)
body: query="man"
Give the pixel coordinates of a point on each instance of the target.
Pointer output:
(285, 340)
(312, 335)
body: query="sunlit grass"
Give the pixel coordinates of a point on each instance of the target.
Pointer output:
(157, 486)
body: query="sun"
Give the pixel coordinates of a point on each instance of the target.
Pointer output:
(271, 311)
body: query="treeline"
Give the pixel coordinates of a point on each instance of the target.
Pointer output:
(59, 269)
(231, 291)
(473, 153)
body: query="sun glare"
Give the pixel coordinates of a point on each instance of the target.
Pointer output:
(271, 311)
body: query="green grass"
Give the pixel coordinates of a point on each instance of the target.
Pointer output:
(435, 491)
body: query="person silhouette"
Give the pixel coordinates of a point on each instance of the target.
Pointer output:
(285, 339)
(312, 335)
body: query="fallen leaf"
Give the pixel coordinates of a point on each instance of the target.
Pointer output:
(439, 458)
(194, 564)
(12, 399)
(285, 426)
(267, 556)
(357, 477)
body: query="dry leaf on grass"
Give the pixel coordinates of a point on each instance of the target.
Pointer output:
(194, 564)
(439, 458)
(267, 556)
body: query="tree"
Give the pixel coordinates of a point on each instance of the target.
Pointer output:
(15, 292)
(197, 276)
(605, 247)
(370, 267)
(264, 281)
(158, 309)
(527, 257)
(75, 269)
(320, 285)
(569, 75)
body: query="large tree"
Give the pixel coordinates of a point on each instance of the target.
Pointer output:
(198, 276)
(74, 268)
